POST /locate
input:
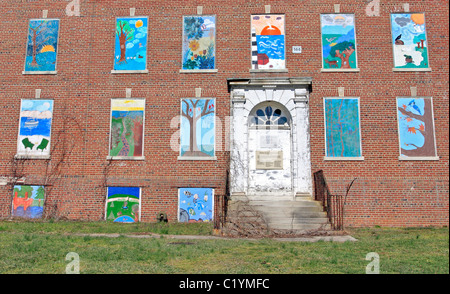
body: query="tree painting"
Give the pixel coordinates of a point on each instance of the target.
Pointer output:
(28, 201)
(131, 43)
(195, 205)
(42, 45)
(127, 127)
(123, 204)
(343, 137)
(199, 42)
(197, 127)
(409, 40)
(416, 127)
(338, 41)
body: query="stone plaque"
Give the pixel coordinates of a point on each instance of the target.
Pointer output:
(269, 159)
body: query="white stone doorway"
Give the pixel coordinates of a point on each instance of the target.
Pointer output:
(270, 162)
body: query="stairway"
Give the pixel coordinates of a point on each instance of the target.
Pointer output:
(267, 212)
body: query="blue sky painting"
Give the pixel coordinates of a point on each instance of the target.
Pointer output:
(130, 51)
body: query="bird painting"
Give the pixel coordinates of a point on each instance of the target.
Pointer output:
(412, 103)
(398, 41)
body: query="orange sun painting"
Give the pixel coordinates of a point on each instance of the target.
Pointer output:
(270, 30)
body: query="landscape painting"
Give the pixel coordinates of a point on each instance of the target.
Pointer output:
(195, 205)
(409, 40)
(130, 51)
(127, 127)
(342, 127)
(123, 204)
(197, 127)
(338, 41)
(35, 127)
(199, 42)
(28, 201)
(416, 127)
(268, 41)
(42, 45)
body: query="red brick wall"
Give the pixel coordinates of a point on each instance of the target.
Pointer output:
(388, 191)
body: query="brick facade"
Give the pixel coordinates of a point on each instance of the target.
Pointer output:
(387, 192)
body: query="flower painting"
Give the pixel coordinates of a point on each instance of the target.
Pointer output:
(199, 42)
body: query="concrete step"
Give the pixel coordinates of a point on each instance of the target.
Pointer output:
(294, 204)
(300, 227)
(298, 220)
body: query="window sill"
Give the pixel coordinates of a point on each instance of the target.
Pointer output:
(39, 72)
(344, 158)
(418, 158)
(29, 156)
(196, 158)
(339, 70)
(411, 69)
(268, 70)
(196, 71)
(125, 157)
(129, 71)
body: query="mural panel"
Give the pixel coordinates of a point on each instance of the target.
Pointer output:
(199, 42)
(416, 127)
(123, 204)
(409, 40)
(28, 201)
(195, 205)
(127, 127)
(338, 41)
(130, 51)
(268, 41)
(35, 127)
(197, 127)
(42, 45)
(342, 127)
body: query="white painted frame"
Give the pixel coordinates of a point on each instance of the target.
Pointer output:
(408, 158)
(394, 69)
(53, 72)
(194, 71)
(212, 196)
(285, 69)
(32, 156)
(340, 158)
(114, 71)
(110, 157)
(106, 200)
(215, 131)
(323, 69)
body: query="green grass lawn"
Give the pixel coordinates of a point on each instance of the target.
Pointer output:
(41, 247)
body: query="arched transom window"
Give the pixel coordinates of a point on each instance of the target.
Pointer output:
(266, 115)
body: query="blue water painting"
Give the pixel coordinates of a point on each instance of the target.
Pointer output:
(196, 205)
(272, 45)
